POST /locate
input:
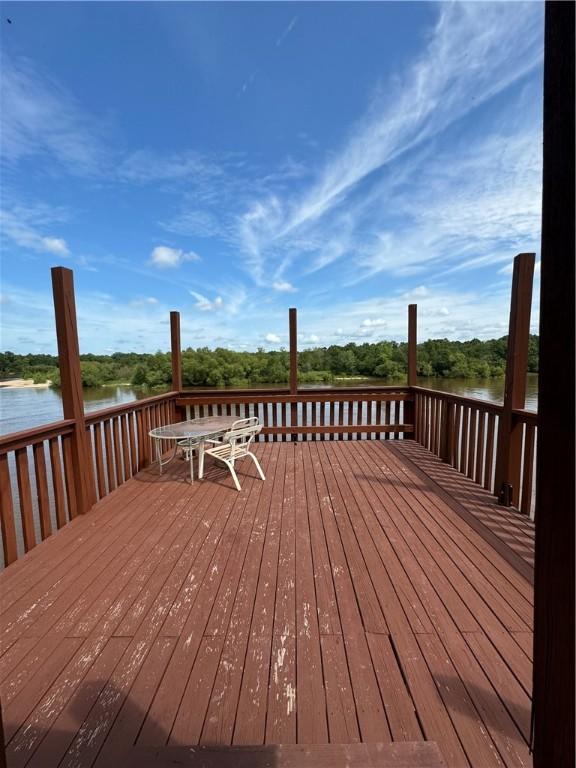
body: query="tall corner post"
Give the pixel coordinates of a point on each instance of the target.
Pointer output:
(509, 445)
(293, 323)
(410, 405)
(176, 351)
(71, 386)
(412, 344)
(553, 705)
(293, 335)
(176, 357)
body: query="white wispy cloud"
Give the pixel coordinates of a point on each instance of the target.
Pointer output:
(272, 338)
(248, 83)
(145, 165)
(193, 223)
(40, 119)
(377, 322)
(283, 286)
(474, 52)
(23, 226)
(286, 31)
(149, 301)
(206, 305)
(164, 257)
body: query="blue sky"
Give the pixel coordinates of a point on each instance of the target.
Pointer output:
(230, 160)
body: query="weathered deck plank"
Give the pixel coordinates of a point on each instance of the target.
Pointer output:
(363, 592)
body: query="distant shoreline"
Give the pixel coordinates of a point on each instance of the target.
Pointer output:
(23, 384)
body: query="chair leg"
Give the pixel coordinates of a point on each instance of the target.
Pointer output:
(234, 475)
(258, 467)
(201, 461)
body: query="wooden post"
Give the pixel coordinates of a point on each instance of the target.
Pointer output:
(176, 351)
(292, 316)
(509, 446)
(553, 683)
(82, 479)
(412, 342)
(409, 406)
(293, 327)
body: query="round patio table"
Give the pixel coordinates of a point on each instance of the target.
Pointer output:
(191, 435)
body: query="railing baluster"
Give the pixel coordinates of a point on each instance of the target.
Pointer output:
(117, 450)
(303, 418)
(99, 454)
(369, 419)
(456, 444)
(125, 438)
(25, 498)
(132, 435)
(68, 469)
(465, 437)
(472, 443)
(480, 448)
(7, 513)
(42, 490)
(489, 464)
(57, 482)
(112, 484)
(313, 420)
(528, 468)
(434, 422)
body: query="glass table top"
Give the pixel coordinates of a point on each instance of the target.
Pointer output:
(194, 429)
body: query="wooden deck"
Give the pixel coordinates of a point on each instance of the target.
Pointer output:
(365, 592)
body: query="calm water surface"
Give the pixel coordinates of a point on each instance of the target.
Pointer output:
(26, 408)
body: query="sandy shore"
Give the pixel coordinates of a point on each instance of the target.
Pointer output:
(23, 384)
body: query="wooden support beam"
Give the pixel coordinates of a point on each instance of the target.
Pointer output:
(292, 316)
(293, 327)
(553, 684)
(176, 351)
(509, 446)
(82, 475)
(409, 414)
(412, 342)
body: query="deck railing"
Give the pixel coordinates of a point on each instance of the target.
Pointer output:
(313, 414)
(37, 494)
(463, 432)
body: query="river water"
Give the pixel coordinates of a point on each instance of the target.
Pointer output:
(27, 407)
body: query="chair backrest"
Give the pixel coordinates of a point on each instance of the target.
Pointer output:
(241, 434)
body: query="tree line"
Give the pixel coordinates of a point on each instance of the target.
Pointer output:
(220, 367)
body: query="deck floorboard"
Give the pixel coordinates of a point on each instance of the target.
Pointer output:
(365, 592)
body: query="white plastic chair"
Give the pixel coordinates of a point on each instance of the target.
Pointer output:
(236, 445)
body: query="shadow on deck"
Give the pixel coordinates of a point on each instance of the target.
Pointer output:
(364, 594)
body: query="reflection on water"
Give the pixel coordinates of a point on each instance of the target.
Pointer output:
(28, 408)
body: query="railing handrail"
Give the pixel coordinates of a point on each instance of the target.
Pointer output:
(302, 396)
(302, 390)
(522, 414)
(15, 440)
(92, 417)
(475, 402)
(525, 416)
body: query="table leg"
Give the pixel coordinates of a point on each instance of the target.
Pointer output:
(191, 459)
(158, 455)
(200, 461)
